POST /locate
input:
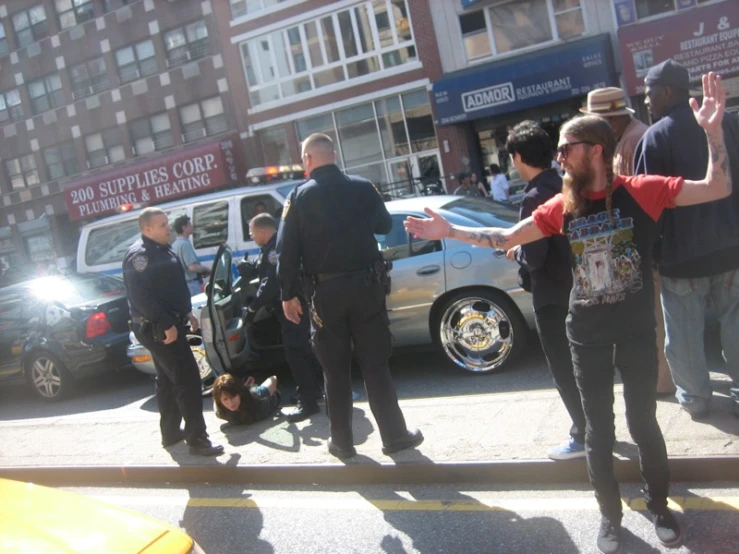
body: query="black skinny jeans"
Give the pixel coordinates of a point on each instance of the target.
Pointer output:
(594, 370)
(550, 323)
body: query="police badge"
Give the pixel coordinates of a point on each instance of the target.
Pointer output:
(285, 209)
(272, 257)
(140, 262)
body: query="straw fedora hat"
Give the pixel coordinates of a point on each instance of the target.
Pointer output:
(607, 102)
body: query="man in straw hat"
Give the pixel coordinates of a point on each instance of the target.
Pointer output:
(612, 224)
(610, 103)
(699, 251)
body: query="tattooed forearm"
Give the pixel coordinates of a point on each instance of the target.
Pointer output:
(492, 237)
(718, 176)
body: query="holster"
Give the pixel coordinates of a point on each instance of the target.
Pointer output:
(380, 272)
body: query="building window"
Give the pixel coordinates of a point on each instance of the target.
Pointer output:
(203, 119)
(111, 5)
(240, 8)
(73, 12)
(138, 60)
(104, 148)
(30, 25)
(648, 8)
(150, 134)
(61, 160)
(381, 138)
(274, 145)
(10, 106)
(89, 78)
(46, 93)
(187, 43)
(348, 44)
(22, 172)
(513, 26)
(39, 248)
(3, 41)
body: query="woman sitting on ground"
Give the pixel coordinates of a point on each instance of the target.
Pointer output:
(240, 402)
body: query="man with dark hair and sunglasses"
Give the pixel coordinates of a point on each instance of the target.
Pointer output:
(545, 272)
(612, 225)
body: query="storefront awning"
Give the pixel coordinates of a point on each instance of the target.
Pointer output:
(548, 75)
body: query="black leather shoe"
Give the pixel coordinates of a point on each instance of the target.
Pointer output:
(341, 453)
(174, 439)
(302, 413)
(203, 447)
(412, 439)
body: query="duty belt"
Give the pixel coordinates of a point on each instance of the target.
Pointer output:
(321, 277)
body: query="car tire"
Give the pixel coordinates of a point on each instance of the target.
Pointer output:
(479, 330)
(48, 377)
(207, 375)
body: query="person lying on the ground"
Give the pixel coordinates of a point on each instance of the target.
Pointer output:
(240, 401)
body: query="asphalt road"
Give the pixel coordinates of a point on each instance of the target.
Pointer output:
(429, 519)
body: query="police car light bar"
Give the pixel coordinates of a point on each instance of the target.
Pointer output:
(261, 175)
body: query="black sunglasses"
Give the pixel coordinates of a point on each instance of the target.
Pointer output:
(564, 150)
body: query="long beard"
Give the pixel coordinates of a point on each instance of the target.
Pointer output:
(574, 187)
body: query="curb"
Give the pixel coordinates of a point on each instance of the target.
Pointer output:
(682, 469)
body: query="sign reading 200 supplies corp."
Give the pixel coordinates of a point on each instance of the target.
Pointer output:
(192, 170)
(702, 39)
(567, 71)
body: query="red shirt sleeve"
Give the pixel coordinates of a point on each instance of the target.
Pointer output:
(549, 217)
(654, 193)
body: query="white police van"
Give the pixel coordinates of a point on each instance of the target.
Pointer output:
(218, 218)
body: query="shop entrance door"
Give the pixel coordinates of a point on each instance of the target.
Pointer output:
(409, 175)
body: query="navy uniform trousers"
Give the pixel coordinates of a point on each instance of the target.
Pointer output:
(353, 310)
(178, 389)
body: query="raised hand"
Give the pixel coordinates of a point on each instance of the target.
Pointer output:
(711, 113)
(434, 228)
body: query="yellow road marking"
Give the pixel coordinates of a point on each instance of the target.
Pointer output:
(327, 502)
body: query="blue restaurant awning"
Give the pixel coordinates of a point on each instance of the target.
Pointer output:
(548, 75)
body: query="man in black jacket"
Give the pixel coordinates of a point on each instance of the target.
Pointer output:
(303, 364)
(328, 228)
(546, 272)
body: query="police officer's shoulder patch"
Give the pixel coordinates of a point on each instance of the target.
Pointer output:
(272, 257)
(140, 262)
(285, 209)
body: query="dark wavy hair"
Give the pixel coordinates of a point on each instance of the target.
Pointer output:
(532, 143)
(234, 386)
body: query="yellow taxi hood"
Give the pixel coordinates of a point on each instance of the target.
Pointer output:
(42, 520)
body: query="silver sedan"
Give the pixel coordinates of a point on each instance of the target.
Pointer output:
(464, 298)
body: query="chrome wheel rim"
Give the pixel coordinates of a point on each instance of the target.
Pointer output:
(46, 377)
(476, 334)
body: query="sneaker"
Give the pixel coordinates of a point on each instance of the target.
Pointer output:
(666, 527)
(609, 537)
(567, 451)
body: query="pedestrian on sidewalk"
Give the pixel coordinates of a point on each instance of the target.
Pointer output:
(499, 184)
(194, 270)
(610, 104)
(699, 251)
(328, 231)
(612, 224)
(159, 304)
(304, 367)
(546, 272)
(242, 401)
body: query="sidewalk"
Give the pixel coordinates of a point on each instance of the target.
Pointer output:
(483, 438)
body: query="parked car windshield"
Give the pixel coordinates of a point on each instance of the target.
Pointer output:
(74, 290)
(484, 212)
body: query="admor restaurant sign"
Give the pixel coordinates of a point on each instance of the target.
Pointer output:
(702, 39)
(194, 170)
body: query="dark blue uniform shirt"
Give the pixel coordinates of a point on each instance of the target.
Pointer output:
(268, 295)
(329, 225)
(155, 283)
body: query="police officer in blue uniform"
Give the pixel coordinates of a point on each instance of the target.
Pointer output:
(159, 303)
(306, 370)
(328, 228)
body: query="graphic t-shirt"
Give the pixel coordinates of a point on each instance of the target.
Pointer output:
(612, 297)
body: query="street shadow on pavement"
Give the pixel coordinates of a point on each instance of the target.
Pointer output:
(108, 391)
(501, 531)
